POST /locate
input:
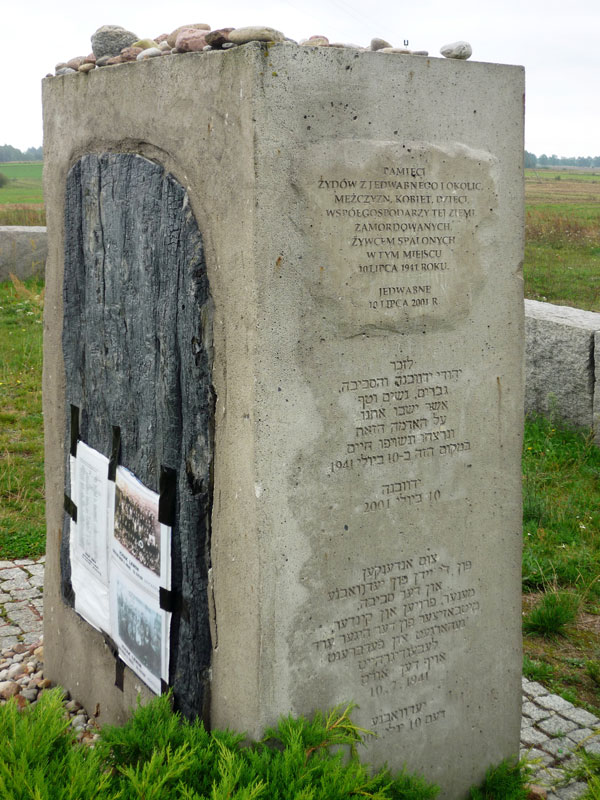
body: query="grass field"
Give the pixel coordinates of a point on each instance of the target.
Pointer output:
(21, 198)
(562, 238)
(22, 526)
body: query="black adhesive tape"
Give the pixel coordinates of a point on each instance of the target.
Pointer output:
(69, 594)
(115, 453)
(74, 429)
(119, 673)
(112, 646)
(167, 496)
(70, 508)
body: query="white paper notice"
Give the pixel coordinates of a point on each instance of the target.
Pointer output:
(140, 554)
(140, 630)
(91, 492)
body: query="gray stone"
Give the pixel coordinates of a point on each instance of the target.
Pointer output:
(558, 748)
(533, 755)
(109, 40)
(65, 71)
(580, 734)
(459, 50)
(554, 703)
(533, 688)
(532, 737)
(23, 252)
(533, 712)
(572, 792)
(591, 746)
(29, 694)
(256, 33)
(150, 52)
(378, 44)
(302, 549)
(581, 716)
(555, 726)
(562, 363)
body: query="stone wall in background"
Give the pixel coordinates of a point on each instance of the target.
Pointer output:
(23, 251)
(562, 363)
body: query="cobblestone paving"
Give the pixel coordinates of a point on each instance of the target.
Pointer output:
(551, 731)
(551, 728)
(21, 601)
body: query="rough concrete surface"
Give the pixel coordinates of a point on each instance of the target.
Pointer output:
(23, 251)
(562, 363)
(366, 506)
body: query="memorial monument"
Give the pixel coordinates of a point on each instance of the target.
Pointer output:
(284, 332)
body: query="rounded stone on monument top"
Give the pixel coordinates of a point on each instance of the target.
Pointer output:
(109, 40)
(190, 40)
(228, 45)
(65, 71)
(197, 26)
(115, 60)
(91, 59)
(130, 53)
(87, 67)
(218, 37)
(145, 44)
(402, 50)
(76, 62)
(103, 61)
(149, 52)
(315, 41)
(255, 33)
(460, 50)
(378, 44)
(164, 46)
(420, 52)
(347, 45)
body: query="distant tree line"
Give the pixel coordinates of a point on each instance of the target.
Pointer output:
(10, 153)
(531, 160)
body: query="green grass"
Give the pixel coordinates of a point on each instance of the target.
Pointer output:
(21, 198)
(552, 614)
(22, 525)
(562, 238)
(24, 183)
(561, 508)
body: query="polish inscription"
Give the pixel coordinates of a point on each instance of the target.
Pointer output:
(400, 237)
(395, 632)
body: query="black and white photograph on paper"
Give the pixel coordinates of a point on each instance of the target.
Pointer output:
(142, 631)
(136, 521)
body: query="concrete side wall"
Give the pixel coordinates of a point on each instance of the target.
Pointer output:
(23, 251)
(563, 363)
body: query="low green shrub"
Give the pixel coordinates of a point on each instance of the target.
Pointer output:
(159, 756)
(506, 781)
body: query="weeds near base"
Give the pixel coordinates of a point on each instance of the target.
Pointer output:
(552, 614)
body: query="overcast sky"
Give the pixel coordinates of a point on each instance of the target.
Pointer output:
(558, 43)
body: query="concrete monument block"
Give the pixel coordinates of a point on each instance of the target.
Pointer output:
(23, 251)
(361, 224)
(561, 363)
